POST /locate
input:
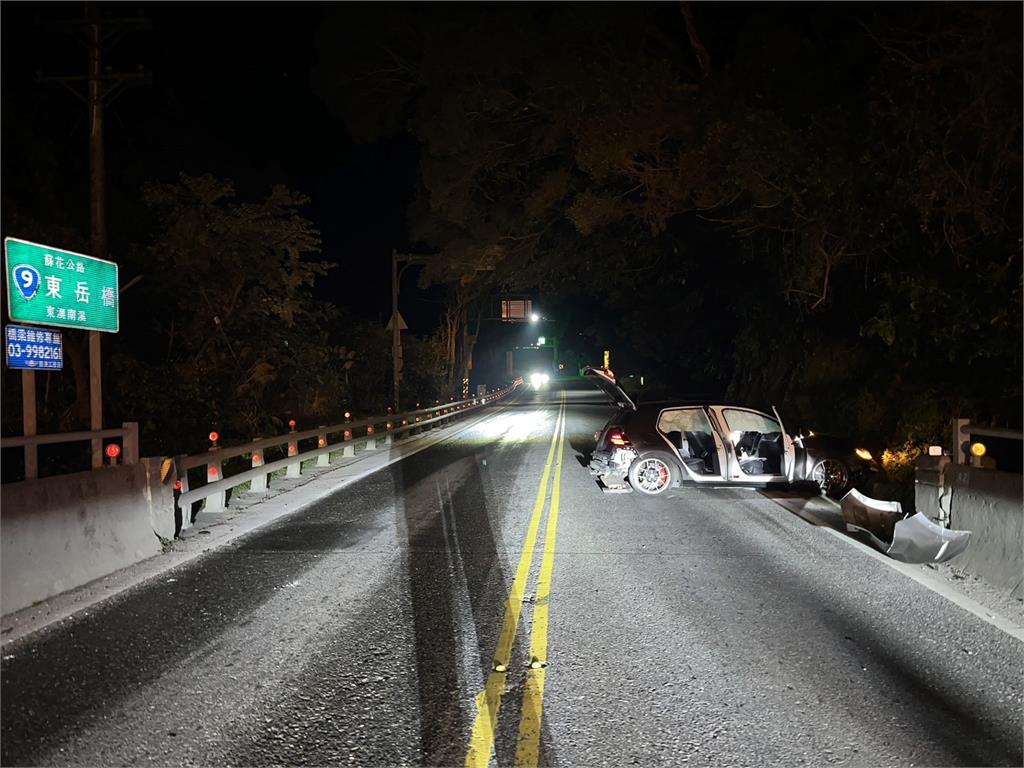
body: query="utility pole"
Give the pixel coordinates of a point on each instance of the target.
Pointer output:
(102, 88)
(396, 336)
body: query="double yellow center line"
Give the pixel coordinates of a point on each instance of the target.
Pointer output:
(488, 701)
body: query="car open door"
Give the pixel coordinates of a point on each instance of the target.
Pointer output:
(788, 451)
(605, 380)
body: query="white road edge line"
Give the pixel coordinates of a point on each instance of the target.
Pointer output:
(925, 579)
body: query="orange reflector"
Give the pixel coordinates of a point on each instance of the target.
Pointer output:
(257, 459)
(293, 449)
(177, 485)
(369, 430)
(322, 442)
(348, 434)
(113, 450)
(291, 423)
(214, 437)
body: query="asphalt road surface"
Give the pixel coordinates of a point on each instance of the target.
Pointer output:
(484, 596)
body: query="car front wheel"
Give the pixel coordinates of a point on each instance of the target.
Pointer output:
(652, 474)
(832, 477)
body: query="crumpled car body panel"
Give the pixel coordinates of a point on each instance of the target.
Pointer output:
(909, 539)
(919, 540)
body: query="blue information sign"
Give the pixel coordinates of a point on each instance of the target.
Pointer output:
(34, 349)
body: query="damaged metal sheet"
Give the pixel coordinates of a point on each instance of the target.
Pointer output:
(909, 539)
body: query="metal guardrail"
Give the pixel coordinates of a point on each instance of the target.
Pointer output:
(971, 429)
(962, 427)
(368, 433)
(128, 434)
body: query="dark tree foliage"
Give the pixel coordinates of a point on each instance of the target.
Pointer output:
(817, 206)
(234, 340)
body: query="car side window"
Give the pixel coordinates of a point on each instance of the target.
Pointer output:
(750, 421)
(684, 420)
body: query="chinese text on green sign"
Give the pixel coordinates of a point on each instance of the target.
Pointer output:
(50, 286)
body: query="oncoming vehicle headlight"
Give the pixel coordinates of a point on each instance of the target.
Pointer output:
(536, 380)
(864, 454)
(544, 378)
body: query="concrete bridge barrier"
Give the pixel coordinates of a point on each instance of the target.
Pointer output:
(986, 502)
(58, 533)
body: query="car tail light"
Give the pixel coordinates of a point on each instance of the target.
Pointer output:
(617, 437)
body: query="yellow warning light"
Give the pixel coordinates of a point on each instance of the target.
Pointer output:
(978, 449)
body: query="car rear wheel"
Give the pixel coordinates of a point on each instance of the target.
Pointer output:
(832, 477)
(652, 474)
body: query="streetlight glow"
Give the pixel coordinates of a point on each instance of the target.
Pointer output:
(534, 317)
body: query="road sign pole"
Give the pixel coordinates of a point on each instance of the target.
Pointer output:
(28, 416)
(95, 397)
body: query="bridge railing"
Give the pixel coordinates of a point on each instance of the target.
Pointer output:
(323, 443)
(964, 433)
(128, 434)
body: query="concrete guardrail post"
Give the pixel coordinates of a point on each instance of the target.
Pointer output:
(215, 502)
(258, 483)
(324, 459)
(294, 470)
(349, 449)
(181, 486)
(371, 441)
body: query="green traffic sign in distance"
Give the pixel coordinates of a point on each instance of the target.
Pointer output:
(51, 286)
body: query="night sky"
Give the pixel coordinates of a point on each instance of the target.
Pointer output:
(231, 94)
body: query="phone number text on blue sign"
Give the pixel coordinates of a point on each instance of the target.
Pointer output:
(34, 349)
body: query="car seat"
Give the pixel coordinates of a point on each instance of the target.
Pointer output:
(702, 451)
(770, 449)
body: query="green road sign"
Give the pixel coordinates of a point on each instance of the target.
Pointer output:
(50, 286)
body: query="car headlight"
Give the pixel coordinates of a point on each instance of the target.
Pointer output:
(544, 378)
(536, 379)
(864, 454)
